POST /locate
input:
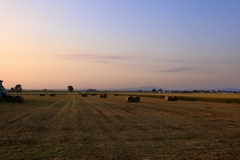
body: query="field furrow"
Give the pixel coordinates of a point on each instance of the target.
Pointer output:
(75, 127)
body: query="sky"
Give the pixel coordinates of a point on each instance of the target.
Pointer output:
(111, 44)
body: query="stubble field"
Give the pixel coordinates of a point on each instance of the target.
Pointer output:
(75, 127)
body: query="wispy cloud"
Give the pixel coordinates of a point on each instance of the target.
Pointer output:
(180, 69)
(101, 61)
(99, 58)
(210, 60)
(94, 57)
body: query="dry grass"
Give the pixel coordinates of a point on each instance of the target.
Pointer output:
(198, 95)
(72, 127)
(205, 97)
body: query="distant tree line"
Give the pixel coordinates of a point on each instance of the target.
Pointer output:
(17, 88)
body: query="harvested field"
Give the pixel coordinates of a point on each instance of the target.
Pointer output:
(72, 127)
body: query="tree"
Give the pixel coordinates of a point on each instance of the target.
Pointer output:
(70, 88)
(18, 88)
(12, 89)
(154, 90)
(91, 90)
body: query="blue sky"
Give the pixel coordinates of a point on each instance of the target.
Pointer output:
(171, 44)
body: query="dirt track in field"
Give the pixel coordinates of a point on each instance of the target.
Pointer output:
(75, 127)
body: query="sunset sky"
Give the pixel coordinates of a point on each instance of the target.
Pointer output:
(107, 44)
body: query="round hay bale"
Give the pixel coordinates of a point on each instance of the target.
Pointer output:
(168, 98)
(18, 99)
(116, 94)
(41, 94)
(136, 99)
(174, 98)
(10, 98)
(93, 95)
(129, 99)
(52, 95)
(4, 94)
(103, 95)
(84, 95)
